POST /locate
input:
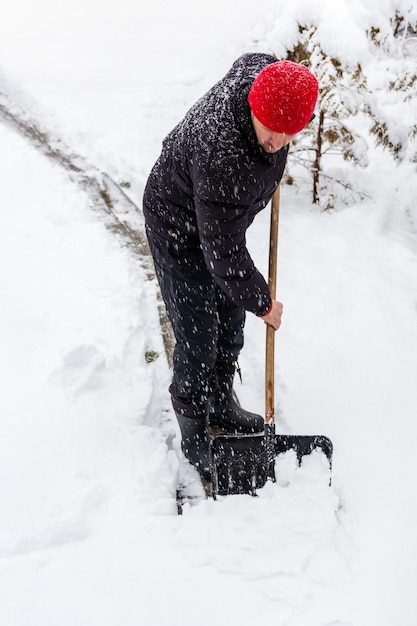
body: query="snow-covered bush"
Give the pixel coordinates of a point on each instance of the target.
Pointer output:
(365, 98)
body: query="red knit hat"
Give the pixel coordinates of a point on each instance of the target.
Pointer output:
(283, 96)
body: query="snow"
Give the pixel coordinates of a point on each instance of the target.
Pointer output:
(89, 458)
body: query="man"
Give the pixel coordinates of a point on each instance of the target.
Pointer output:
(218, 168)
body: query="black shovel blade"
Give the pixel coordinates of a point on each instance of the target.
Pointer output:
(242, 464)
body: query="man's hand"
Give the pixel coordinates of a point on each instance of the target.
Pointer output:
(273, 318)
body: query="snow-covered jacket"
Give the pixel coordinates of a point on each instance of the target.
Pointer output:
(210, 181)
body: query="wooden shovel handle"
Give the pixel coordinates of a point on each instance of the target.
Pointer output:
(270, 332)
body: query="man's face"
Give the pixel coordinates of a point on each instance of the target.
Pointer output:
(269, 140)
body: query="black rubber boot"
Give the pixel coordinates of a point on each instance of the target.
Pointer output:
(192, 420)
(225, 413)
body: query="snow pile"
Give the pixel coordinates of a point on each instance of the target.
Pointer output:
(285, 545)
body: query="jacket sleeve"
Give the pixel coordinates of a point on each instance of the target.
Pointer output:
(222, 229)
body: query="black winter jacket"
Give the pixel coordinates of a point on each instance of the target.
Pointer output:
(212, 178)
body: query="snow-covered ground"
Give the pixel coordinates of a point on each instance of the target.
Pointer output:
(89, 532)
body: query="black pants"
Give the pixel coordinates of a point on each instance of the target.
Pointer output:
(208, 326)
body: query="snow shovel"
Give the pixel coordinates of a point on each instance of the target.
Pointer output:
(242, 464)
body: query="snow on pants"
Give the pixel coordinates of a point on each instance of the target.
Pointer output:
(207, 325)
